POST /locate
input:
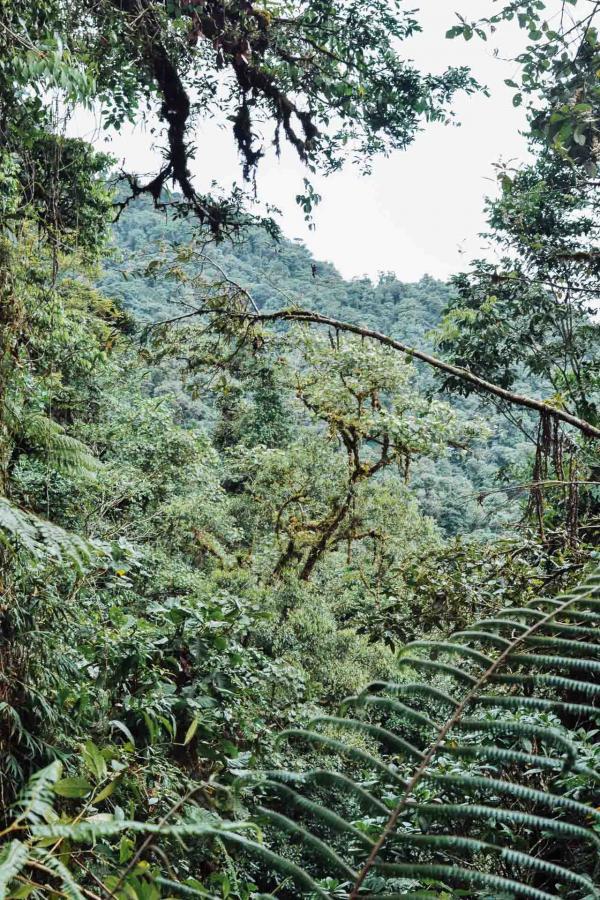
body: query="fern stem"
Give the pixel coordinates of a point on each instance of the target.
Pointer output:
(421, 770)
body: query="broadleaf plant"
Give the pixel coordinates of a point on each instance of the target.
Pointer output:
(477, 775)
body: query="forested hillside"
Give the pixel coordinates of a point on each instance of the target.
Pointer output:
(271, 269)
(278, 271)
(299, 582)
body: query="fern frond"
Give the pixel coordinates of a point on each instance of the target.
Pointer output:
(562, 663)
(441, 812)
(509, 756)
(354, 753)
(13, 858)
(373, 731)
(309, 840)
(62, 451)
(483, 637)
(551, 681)
(521, 729)
(506, 775)
(35, 801)
(518, 701)
(409, 689)
(438, 668)
(317, 811)
(516, 790)
(337, 781)
(55, 865)
(562, 644)
(24, 532)
(455, 649)
(454, 843)
(389, 705)
(456, 873)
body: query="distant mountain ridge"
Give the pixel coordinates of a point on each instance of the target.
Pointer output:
(275, 273)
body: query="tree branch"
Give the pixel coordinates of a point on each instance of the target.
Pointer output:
(541, 406)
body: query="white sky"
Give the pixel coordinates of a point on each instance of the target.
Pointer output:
(421, 210)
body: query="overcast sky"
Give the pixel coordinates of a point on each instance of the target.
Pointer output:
(420, 211)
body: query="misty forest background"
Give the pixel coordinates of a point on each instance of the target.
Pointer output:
(299, 587)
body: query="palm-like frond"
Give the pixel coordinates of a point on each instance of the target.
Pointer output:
(13, 858)
(35, 801)
(62, 451)
(23, 531)
(479, 775)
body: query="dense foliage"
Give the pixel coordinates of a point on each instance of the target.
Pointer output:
(220, 520)
(148, 246)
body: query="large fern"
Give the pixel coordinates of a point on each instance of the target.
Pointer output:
(475, 772)
(25, 532)
(49, 440)
(477, 769)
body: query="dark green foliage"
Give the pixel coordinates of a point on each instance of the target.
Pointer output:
(214, 527)
(489, 797)
(469, 774)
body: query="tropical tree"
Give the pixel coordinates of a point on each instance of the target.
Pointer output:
(327, 77)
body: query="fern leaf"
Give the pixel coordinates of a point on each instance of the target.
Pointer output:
(453, 843)
(13, 857)
(518, 701)
(392, 706)
(518, 791)
(412, 688)
(62, 451)
(483, 637)
(336, 780)
(326, 816)
(487, 767)
(308, 839)
(374, 731)
(69, 886)
(353, 753)
(562, 644)
(521, 729)
(25, 532)
(456, 649)
(456, 873)
(35, 802)
(437, 813)
(553, 681)
(439, 668)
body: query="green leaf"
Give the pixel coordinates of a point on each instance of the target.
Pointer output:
(93, 760)
(191, 731)
(12, 859)
(106, 791)
(116, 723)
(72, 787)
(126, 848)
